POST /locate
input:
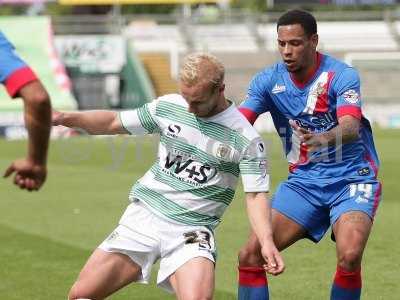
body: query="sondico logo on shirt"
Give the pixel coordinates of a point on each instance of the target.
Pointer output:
(173, 130)
(189, 169)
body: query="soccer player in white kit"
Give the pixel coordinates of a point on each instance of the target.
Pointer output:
(205, 143)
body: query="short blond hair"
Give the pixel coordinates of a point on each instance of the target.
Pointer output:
(202, 67)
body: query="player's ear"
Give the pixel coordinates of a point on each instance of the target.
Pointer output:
(314, 40)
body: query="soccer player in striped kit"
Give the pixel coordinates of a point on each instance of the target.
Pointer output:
(315, 104)
(20, 81)
(205, 143)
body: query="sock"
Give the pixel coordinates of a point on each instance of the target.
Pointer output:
(253, 284)
(346, 285)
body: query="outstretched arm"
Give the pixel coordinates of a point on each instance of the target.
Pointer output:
(259, 212)
(93, 122)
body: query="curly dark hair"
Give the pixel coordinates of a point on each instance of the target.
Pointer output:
(302, 17)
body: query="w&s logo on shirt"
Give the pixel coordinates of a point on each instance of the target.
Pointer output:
(188, 169)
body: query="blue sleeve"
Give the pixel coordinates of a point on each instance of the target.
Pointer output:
(347, 90)
(257, 98)
(9, 61)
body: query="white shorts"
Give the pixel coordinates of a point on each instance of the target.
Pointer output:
(145, 237)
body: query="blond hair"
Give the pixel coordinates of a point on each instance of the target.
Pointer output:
(202, 67)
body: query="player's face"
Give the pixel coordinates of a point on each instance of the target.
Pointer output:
(296, 48)
(202, 98)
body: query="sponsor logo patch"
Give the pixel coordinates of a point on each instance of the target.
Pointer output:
(363, 171)
(351, 96)
(189, 170)
(263, 167)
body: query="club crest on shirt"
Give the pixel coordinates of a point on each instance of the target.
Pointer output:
(223, 151)
(320, 89)
(351, 96)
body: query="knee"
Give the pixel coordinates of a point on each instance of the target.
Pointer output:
(73, 293)
(350, 259)
(250, 255)
(78, 293)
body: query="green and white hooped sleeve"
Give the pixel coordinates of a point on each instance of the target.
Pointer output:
(141, 120)
(254, 167)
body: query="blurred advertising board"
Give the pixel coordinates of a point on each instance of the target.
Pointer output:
(338, 2)
(103, 2)
(92, 53)
(24, 1)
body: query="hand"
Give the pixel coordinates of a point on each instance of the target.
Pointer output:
(274, 263)
(56, 117)
(28, 175)
(312, 141)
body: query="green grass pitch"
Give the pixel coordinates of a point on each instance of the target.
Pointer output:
(47, 236)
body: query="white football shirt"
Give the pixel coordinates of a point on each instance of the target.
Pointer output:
(199, 160)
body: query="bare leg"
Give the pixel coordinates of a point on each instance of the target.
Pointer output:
(351, 232)
(194, 280)
(103, 274)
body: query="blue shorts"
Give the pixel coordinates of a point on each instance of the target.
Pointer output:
(315, 205)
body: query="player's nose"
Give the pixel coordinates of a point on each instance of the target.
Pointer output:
(287, 50)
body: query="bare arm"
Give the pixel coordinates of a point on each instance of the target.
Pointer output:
(259, 212)
(37, 114)
(31, 172)
(93, 122)
(345, 132)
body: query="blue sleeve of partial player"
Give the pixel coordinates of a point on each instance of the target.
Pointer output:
(348, 98)
(257, 98)
(9, 62)
(14, 72)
